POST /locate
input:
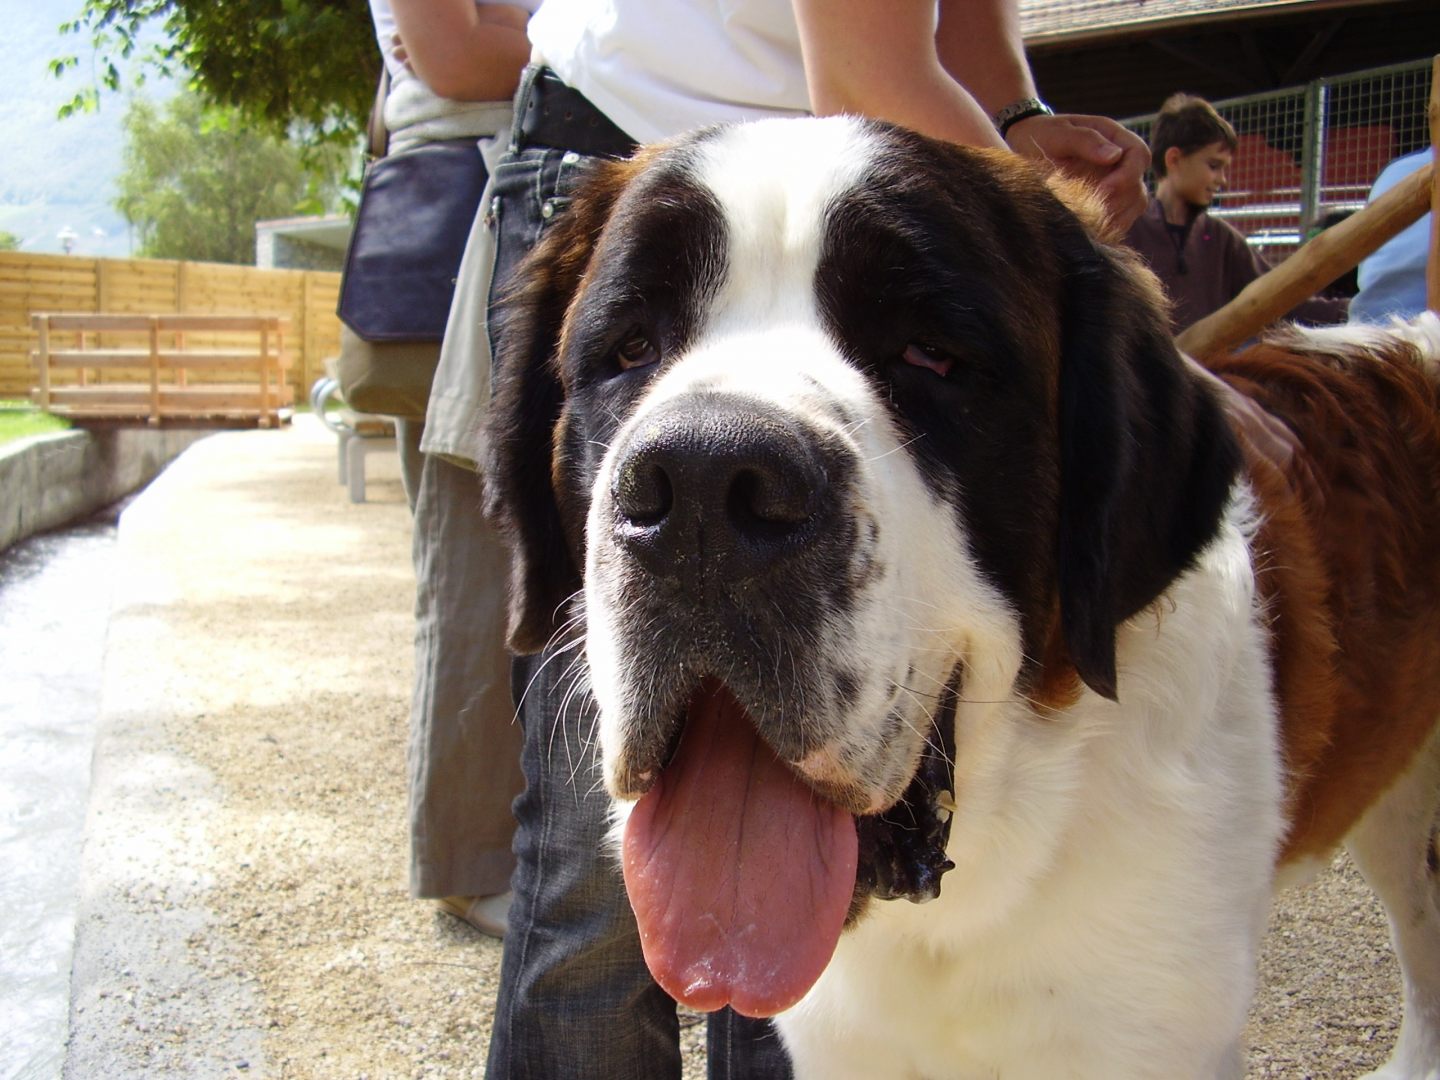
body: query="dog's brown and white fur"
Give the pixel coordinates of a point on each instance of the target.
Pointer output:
(975, 484)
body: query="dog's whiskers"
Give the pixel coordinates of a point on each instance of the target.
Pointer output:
(895, 450)
(554, 649)
(924, 736)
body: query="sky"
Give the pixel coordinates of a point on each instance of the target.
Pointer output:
(58, 175)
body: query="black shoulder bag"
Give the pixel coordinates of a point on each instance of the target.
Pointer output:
(416, 210)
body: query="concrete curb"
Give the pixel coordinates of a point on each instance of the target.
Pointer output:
(50, 480)
(257, 616)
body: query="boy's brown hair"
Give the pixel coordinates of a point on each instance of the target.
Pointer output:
(1189, 123)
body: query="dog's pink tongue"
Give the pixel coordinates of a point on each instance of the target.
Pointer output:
(740, 876)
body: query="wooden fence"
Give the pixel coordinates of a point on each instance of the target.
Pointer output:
(50, 283)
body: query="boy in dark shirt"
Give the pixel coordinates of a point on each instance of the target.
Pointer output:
(1202, 261)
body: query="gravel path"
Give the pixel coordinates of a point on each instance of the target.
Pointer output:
(243, 901)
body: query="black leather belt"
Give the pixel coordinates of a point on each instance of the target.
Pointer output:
(551, 114)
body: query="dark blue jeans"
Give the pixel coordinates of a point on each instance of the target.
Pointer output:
(576, 1000)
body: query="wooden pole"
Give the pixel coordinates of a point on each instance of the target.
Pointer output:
(1310, 269)
(154, 371)
(42, 330)
(306, 334)
(264, 374)
(1432, 264)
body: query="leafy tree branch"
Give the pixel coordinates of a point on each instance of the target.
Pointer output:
(306, 66)
(196, 177)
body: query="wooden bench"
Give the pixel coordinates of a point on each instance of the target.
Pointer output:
(152, 367)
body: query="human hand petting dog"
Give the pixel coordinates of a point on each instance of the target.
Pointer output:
(947, 78)
(1263, 436)
(1096, 149)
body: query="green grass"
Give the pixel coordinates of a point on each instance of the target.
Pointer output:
(20, 420)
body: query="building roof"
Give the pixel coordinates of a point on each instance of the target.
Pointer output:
(328, 230)
(1053, 22)
(1124, 57)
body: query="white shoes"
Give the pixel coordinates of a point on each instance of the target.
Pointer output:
(488, 914)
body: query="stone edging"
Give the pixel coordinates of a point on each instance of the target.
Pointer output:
(50, 480)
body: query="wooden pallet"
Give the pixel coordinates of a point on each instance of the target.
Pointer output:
(162, 369)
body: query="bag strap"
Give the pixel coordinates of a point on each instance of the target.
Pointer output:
(379, 135)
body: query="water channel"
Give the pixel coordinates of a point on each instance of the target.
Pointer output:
(55, 596)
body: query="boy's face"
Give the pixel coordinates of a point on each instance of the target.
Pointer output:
(1198, 176)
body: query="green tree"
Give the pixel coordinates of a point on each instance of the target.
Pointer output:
(196, 178)
(287, 64)
(9, 241)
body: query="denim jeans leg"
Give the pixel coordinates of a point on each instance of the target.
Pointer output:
(739, 1048)
(576, 999)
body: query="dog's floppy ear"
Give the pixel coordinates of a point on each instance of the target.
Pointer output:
(526, 405)
(1147, 456)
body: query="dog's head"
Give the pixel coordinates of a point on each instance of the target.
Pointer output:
(827, 422)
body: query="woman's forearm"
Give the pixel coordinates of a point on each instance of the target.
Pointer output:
(880, 60)
(463, 50)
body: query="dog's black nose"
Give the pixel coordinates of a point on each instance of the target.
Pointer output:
(712, 486)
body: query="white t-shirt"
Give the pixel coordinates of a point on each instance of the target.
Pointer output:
(384, 20)
(661, 67)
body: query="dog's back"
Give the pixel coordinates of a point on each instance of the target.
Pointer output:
(1356, 597)
(1348, 559)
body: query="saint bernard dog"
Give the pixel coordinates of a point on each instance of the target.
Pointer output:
(913, 563)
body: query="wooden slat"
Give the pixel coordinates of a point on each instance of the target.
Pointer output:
(118, 394)
(209, 359)
(126, 392)
(154, 371)
(96, 358)
(222, 396)
(220, 359)
(140, 323)
(220, 323)
(70, 321)
(264, 382)
(135, 400)
(44, 364)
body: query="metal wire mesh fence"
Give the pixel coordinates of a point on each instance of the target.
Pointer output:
(1307, 156)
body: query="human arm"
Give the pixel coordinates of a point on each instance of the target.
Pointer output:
(947, 78)
(880, 60)
(980, 44)
(463, 50)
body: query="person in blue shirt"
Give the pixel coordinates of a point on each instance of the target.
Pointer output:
(1392, 279)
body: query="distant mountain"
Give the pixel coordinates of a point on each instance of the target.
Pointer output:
(58, 175)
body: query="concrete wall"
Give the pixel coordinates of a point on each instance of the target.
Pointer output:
(277, 252)
(51, 480)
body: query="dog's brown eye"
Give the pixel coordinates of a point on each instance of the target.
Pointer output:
(636, 351)
(927, 356)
